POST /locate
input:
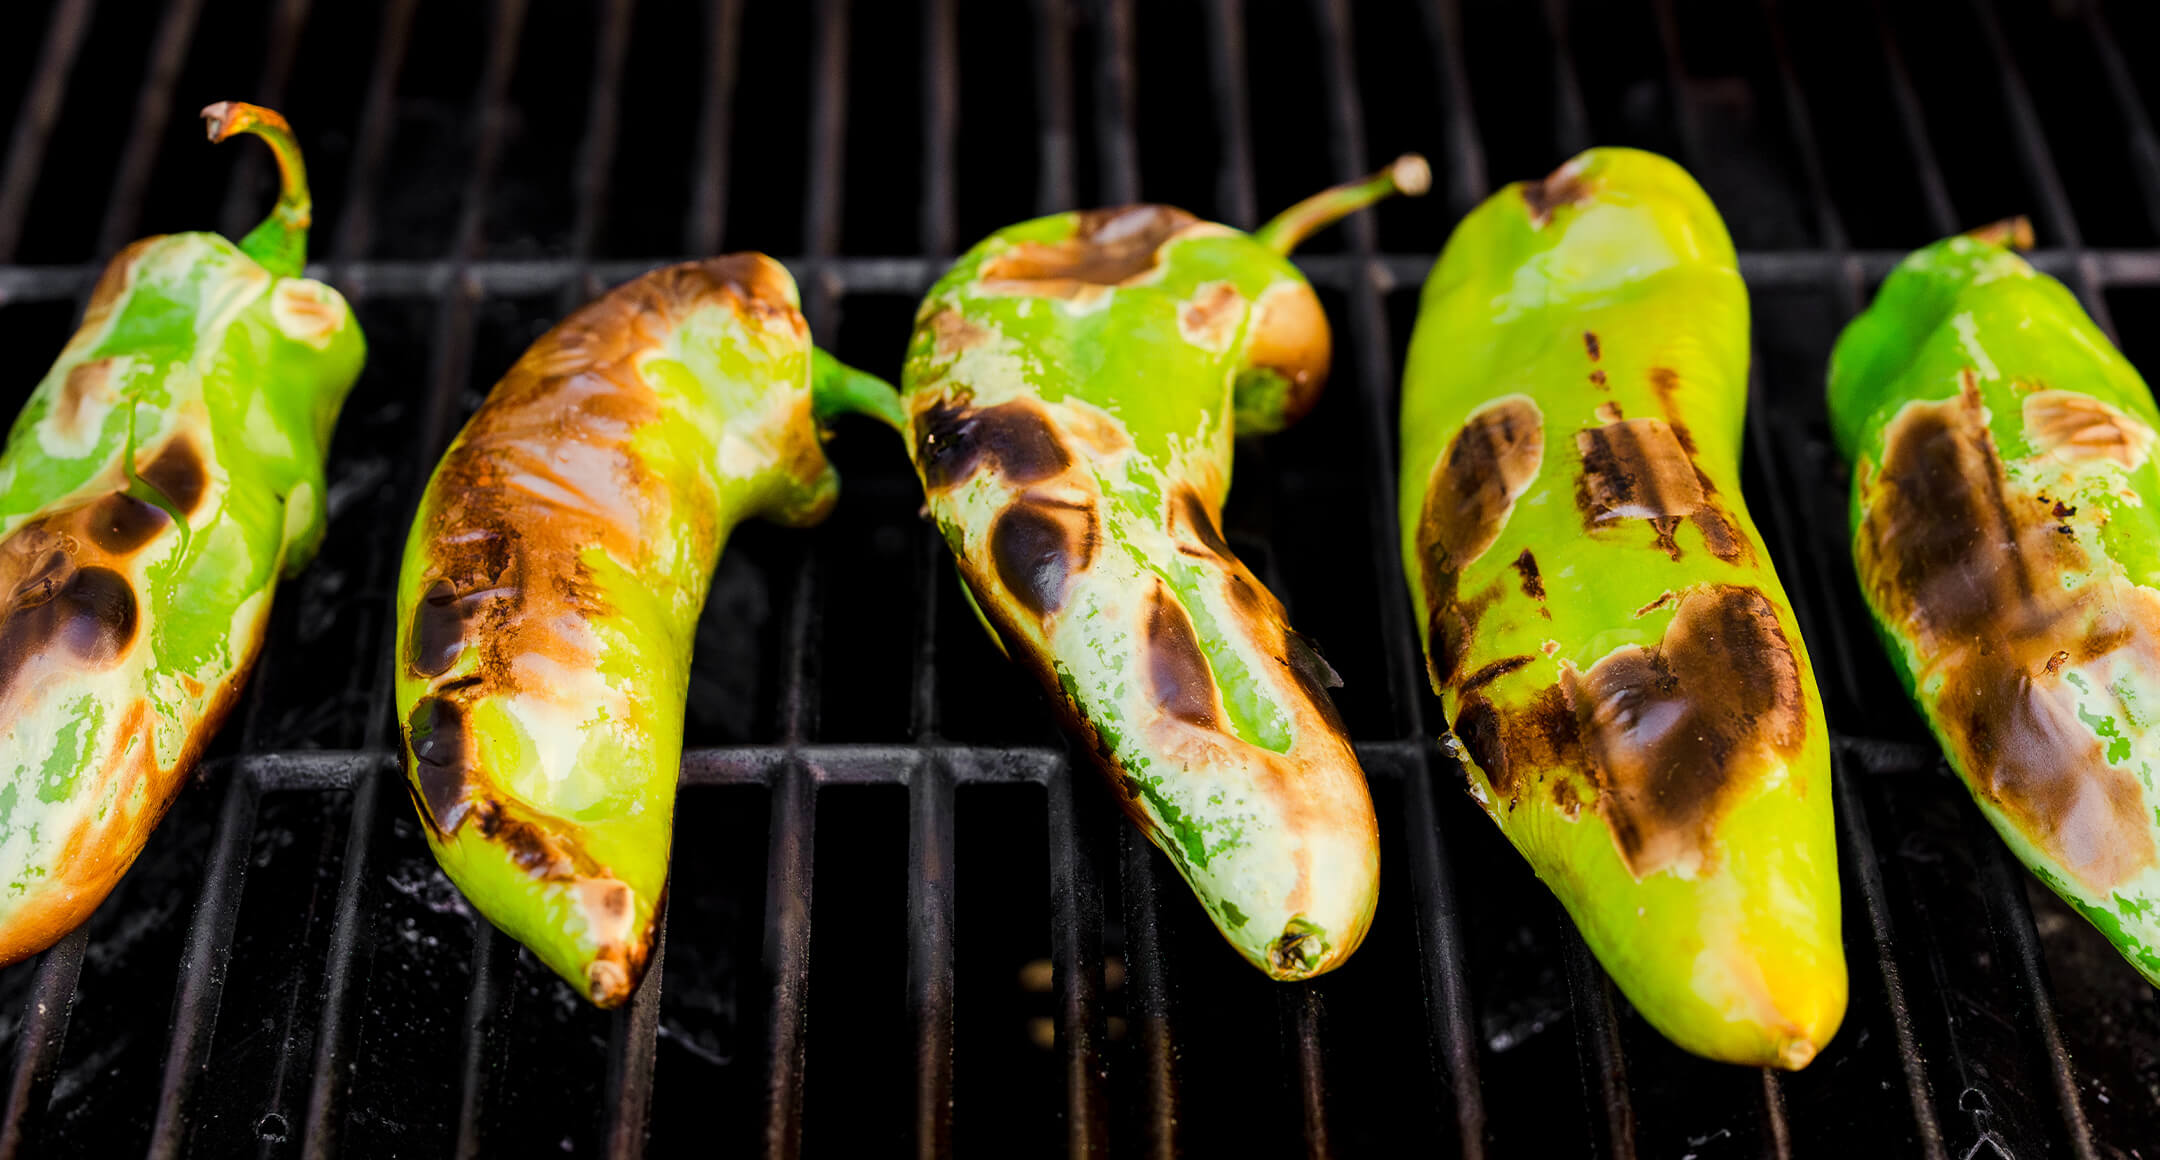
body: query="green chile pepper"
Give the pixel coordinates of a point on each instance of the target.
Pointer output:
(2006, 532)
(1627, 687)
(165, 473)
(1073, 385)
(552, 584)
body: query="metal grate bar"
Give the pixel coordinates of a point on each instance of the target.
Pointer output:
(1055, 185)
(38, 1040)
(828, 134)
(1852, 817)
(393, 279)
(2039, 162)
(1305, 1009)
(1116, 143)
(1779, 1131)
(1942, 212)
(287, 21)
(941, 125)
(377, 119)
(2144, 146)
(632, 1041)
(716, 125)
(1076, 917)
(1466, 177)
(41, 106)
(487, 1006)
(2005, 884)
(596, 153)
(152, 108)
(202, 966)
(1439, 935)
(930, 953)
(1149, 1032)
(1597, 1045)
(787, 953)
(1234, 191)
(1571, 116)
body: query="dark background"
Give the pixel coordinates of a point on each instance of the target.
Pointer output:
(286, 972)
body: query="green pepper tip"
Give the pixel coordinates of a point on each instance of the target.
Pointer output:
(279, 243)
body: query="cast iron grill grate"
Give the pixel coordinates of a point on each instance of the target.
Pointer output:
(997, 965)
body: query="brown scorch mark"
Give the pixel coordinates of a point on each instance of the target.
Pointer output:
(953, 333)
(1951, 549)
(1667, 737)
(178, 474)
(86, 393)
(1590, 343)
(1487, 466)
(1108, 247)
(1178, 674)
(2076, 427)
(1635, 469)
(1564, 186)
(1210, 319)
(1533, 584)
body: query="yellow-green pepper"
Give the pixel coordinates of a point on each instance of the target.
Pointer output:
(1625, 683)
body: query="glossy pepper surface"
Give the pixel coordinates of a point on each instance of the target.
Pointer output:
(552, 584)
(1073, 387)
(2006, 532)
(165, 473)
(1626, 685)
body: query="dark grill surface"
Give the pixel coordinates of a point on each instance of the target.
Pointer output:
(900, 917)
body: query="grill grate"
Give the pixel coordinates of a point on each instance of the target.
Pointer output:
(330, 993)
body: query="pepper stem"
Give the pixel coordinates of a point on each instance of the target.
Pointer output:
(280, 242)
(2014, 233)
(1407, 175)
(837, 389)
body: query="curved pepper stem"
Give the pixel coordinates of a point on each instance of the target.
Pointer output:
(1407, 175)
(838, 389)
(280, 242)
(2014, 233)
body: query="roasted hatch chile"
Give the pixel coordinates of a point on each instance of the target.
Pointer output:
(2006, 532)
(1073, 386)
(553, 580)
(165, 473)
(1627, 688)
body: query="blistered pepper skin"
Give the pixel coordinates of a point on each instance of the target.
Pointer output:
(2006, 533)
(1625, 683)
(1073, 385)
(165, 473)
(552, 584)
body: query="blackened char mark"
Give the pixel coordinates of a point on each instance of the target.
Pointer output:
(1038, 546)
(66, 615)
(1178, 674)
(952, 443)
(440, 758)
(1489, 463)
(178, 474)
(1533, 584)
(120, 524)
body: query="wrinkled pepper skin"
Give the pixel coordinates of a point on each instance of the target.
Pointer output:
(2006, 533)
(1627, 689)
(166, 472)
(552, 584)
(1073, 386)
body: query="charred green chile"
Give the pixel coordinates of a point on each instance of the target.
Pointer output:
(1625, 684)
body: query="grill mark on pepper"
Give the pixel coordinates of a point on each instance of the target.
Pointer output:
(1667, 737)
(1666, 384)
(1590, 344)
(177, 473)
(1635, 469)
(953, 443)
(1487, 466)
(1564, 186)
(1038, 545)
(1108, 247)
(1177, 672)
(2077, 427)
(1210, 318)
(87, 392)
(1946, 548)
(1203, 524)
(1490, 673)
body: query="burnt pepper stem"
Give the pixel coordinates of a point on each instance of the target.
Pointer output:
(838, 389)
(279, 243)
(1407, 175)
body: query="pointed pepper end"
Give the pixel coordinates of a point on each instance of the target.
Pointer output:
(1797, 1053)
(2012, 232)
(608, 983)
